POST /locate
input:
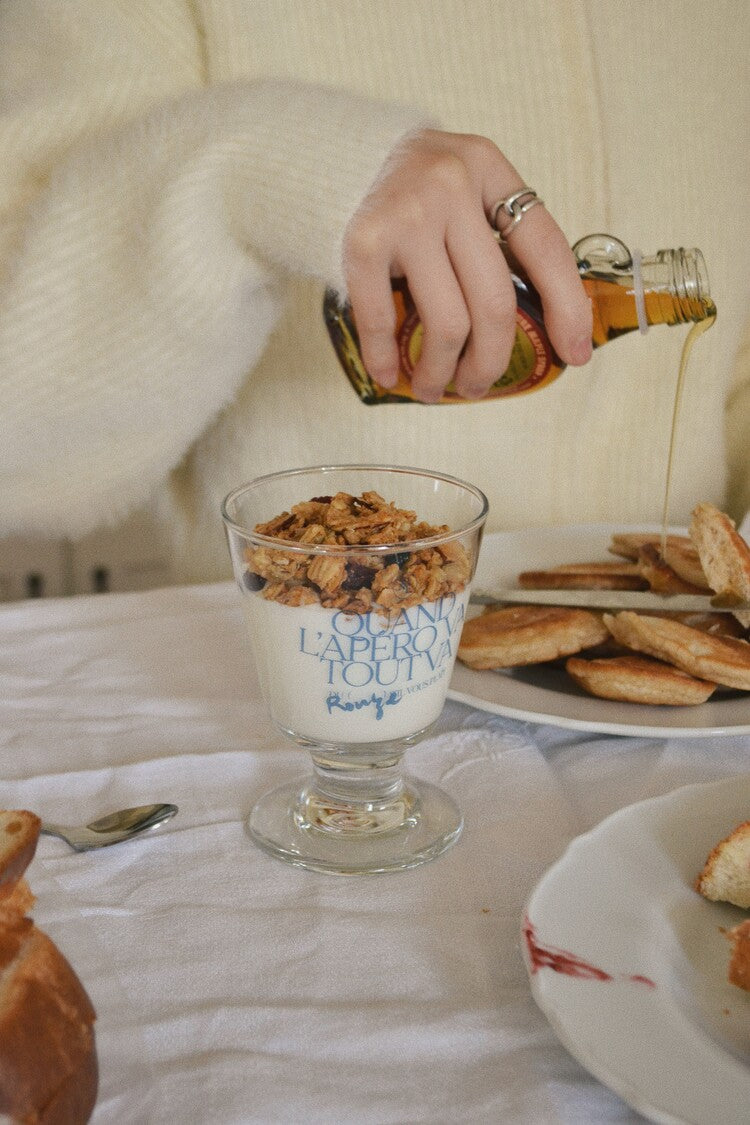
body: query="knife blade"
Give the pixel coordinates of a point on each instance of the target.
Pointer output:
(611, 599)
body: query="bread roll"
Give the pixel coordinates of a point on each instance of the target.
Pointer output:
(48, 1061)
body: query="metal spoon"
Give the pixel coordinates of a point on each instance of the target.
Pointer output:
(111, 829)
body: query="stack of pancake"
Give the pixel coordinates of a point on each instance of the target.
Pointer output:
(647, 657)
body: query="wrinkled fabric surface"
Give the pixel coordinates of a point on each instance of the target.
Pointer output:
(232, 988)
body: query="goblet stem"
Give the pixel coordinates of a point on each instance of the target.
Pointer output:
(355, 820)
(358, 798)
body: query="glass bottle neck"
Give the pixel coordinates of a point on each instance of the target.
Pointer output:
(680, 274)
(672, 284)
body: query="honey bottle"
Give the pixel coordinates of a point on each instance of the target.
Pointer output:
(628, 292)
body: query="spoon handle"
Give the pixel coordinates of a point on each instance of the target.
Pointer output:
(111, 829)
(80, 839)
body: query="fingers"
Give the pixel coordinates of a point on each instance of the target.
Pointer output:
(426, 220)
(401, 231)
(490, 299)
(542, 250)
(446, 322)
(466, 304)
(371, 299)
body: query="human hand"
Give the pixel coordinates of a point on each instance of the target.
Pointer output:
(426, 219)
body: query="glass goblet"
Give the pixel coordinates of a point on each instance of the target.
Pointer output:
(355, 581)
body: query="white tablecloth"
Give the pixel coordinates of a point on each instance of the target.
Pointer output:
(232, 988)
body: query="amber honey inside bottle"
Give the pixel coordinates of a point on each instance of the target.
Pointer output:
(627, 292)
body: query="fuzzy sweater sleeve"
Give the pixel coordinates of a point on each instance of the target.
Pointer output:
(146, 218)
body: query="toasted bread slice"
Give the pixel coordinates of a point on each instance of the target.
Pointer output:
(724, 555)
(525, 634)
(725, 876)
(585, 576)
(720, 660)
(638, 679)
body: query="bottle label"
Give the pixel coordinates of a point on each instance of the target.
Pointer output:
(530, 363)
(533, 363)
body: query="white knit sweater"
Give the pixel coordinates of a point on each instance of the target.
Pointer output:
(175, 180)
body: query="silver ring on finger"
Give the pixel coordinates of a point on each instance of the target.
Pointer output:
(506, 214)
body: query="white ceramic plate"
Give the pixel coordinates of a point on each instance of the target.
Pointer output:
(667, 1032)
(543, 694)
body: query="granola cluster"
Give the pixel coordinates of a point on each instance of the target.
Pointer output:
(387, 582)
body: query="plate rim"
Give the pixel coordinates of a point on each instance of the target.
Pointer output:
(608, 1075)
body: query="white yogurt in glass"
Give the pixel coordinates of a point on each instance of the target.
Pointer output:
(336, 678)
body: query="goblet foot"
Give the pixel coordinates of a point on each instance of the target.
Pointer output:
(298, 825)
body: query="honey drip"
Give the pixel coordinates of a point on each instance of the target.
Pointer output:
(697, 329)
